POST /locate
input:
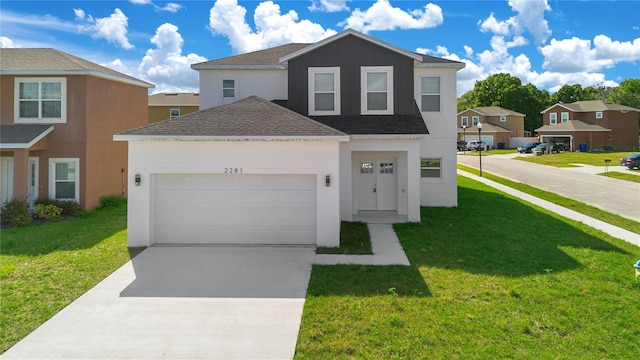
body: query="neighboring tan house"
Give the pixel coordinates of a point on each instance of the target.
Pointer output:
(498, 125)
(294, 139)
(592, 125)
(164, 106)
(58, 116)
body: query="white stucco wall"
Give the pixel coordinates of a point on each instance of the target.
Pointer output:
(193, 157)
(440, 143)
(267, 84)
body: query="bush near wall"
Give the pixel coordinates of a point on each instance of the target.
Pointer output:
(15, 213)
(69, 207)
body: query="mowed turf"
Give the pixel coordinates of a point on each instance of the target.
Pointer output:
(491, 279)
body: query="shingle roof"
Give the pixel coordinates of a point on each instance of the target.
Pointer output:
(592, 105)
(493, 111)
(572, 125)
(486, 128)
(174, 99)
(266, 57)
(22, 135)
(250, 117)
(51, 61)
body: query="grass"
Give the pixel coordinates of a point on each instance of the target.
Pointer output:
(354, 239)
(45, 267)
(567, 158)
(622, 176)
(516, 282)
(578, 206)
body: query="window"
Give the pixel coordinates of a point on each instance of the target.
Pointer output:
(475, 120)
(553, 118)
(564, 116)
(174, 113)
(503, 118)
(228, 89)
(431, 167)
(430, 93)
(377, 90)
(366, 168)
(598, 114)
(386, 168)
(40, 100)
(64, 181)
(324, 91)
(464, 121)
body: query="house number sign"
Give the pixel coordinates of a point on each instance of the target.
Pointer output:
(230, 170)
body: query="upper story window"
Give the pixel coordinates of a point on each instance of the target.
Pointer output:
(553, 118)
(503, 118)
(228, 89)
(598, 114)
(324, 91)
(377, 90)
(40, 100)
(464, 121)
(564, 116)
(475, 120)
(430, 93)
(174, 113)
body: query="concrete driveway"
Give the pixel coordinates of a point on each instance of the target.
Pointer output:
(184, 303)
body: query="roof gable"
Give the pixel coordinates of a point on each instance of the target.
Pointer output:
(492, 111)
(591, 106)
(266, 58)
(174, 99)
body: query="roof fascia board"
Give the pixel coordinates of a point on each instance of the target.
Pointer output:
(389, 137)
(78, 72)
(123, 137)
(347, 32)
(238, 67)
(30, 143)
(458, 66)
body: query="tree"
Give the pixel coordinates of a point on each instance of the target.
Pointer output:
(568, 94)
(628, 93)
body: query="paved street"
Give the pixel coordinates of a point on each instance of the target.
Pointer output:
(582, 184)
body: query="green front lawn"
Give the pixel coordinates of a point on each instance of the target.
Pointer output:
(567, 158)
(622, 176)
(492, 278)
(354, 239)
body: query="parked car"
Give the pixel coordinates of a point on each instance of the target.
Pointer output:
(462, 145)
(631, 161)
(475, 145)
(527, 148)
(543, 148)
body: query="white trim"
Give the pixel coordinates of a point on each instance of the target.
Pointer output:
(438, 94)
(503, 118)
(464, 121)
(312, 71)
(475, 120)
(599, 114)
(171, 116)
(40, 120)
(562, 118)
(29, 144)
(125, 137)
(93, 73)
(52, 176)
(364, 70)
(234, 88)
(35, 178)
(553, 118)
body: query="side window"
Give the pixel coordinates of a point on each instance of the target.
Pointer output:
(431, 167)
(598, 114)
(430, 93)
(228, 89)
(40, 100)
(564, 116)
(553, 118)
(324, 91)
(64, 180)
(377, 90)
(464, 122)
(475, 120)
(174, 113)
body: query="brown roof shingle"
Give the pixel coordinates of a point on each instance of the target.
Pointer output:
(174, 99)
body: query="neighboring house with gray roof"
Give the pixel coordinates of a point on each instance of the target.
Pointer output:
(58, 116)
(163, 106)
(499, 125)
(592, 125)
(292, 140)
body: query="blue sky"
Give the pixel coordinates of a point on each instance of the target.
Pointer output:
(546, 43)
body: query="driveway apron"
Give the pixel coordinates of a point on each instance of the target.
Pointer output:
(184, 303)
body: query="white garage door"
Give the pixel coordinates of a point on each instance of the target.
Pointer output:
(235, 209)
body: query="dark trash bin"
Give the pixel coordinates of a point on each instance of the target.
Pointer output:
(500, 145)
(583, 147)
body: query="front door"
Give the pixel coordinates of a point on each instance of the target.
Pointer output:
(32, 178)
(6, 179)
(376, 186)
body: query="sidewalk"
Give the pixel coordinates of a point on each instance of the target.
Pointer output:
(614, 231)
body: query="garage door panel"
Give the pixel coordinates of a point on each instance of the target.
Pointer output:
(232, 209)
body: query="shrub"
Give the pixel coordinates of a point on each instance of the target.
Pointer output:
(111, 201)
(15, 213)
(69, 207)
(49, 212)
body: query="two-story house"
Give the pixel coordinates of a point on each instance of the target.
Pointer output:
(293, 139)
(58, 116)
(499, 125)
(592, 125)
(164, 106)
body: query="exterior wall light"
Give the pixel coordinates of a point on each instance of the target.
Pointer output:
(137, 179)
(327, 180)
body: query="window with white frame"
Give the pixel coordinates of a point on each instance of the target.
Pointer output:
(431, 167)
(598, 114)
(564, 116)
(475, 120)
(40, 100)
(324, 91)
(430, 93)
(228, 89)
(64, 179)
(377, 90)
(174, 113)
(503, 118)
(553, 118)
(464, 121)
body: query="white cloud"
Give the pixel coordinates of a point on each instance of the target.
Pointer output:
(273, 28)
(170, 7)
(572, 56)
(5, 42)
(112, 28)
(140, 2)
(165, 66)
(529, 17)
(492, 25)
(382, 16)
(616, 51)
(329, 5)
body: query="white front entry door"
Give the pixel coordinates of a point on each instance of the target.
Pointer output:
(6, 179)
(376, 186)
(32, 178)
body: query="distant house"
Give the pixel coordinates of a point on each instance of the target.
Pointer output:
(594, 125)
(58, 116)
(164, 106)
(498, 125)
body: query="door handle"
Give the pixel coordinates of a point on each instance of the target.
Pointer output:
(374, 190)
